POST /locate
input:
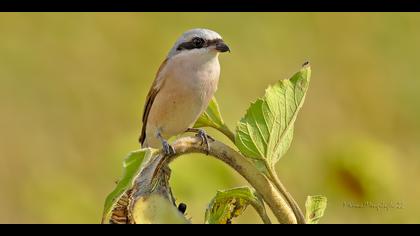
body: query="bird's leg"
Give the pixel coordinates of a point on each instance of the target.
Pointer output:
(167, 148)
(204, 137)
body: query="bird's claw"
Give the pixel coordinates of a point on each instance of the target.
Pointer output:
(167, 148)
(204, 139)
(203, 136)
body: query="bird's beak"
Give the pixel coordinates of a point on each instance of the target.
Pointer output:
(222, 47)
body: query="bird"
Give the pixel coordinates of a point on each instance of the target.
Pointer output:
(182, 89)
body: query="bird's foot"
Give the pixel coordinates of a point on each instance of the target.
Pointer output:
(168, 150)
(203, 136)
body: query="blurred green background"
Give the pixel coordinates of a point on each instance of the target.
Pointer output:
(72, 88)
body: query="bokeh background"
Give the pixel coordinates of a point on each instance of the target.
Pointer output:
(72, 88)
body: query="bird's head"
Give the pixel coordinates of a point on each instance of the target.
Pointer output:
(199, 41)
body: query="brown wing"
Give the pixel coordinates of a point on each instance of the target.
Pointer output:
(156, 86)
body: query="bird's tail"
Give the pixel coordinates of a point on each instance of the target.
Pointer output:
(142, 141)
(144, 145)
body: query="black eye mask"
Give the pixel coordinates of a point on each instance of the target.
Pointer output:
(197, 43)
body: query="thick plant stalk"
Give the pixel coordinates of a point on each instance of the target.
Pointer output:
(153, 181)
(244, 167)
(293, 204)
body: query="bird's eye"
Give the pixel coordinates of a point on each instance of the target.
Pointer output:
(198, 42)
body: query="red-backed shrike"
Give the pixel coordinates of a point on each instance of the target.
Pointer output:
(184, 85)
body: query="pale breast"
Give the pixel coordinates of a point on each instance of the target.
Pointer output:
(189, 86)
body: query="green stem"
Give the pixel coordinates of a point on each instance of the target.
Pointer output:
(261, 212)
(292, 203)
(274, 178)
(227, 132)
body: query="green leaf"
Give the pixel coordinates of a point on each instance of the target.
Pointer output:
(266, 131)
(231, 203)
(212, 118)
(131, 167)
(315, 207)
